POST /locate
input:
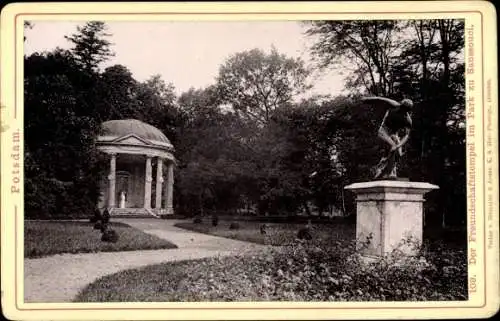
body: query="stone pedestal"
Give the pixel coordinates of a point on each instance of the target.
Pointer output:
(387, 213)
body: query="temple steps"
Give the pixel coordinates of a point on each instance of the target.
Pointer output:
(134, 213)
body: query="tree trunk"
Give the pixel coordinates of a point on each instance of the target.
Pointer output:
(200, 202)
(444, 26)
(343, 200)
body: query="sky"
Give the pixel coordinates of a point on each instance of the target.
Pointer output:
(189, 54)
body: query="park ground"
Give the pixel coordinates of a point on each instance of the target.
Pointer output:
(181, 264)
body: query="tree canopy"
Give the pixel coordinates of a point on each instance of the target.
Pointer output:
(255, 83)
(247, 141)
(417, 59)
(91, 46)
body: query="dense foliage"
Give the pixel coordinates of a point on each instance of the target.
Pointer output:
(66, 98)
(61, 164)
(246, 143)
(419, 59)
(255, 84)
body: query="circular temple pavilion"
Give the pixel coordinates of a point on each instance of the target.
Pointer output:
(141, 169)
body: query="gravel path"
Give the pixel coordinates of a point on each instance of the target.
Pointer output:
(58, 278)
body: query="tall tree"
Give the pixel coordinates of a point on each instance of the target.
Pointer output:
(91, 46)
(27, 25)
(116, 92)
(421, 60)
(215, 169)
(157, 106)
(157, 103)
(62, 164)
(198, 101)
(431, 72)
(255, 83)
(367, 48)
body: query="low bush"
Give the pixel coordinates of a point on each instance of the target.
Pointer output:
(304, 233)
(197, 220)
(234, 226)
(96, 217)
(215, 220)
(98, 225)
(338, 274)
(105, 216)
(302, 271)
(109, 236)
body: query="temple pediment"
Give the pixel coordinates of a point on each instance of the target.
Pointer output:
(131, 139)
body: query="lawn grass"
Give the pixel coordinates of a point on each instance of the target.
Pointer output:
(276, 233)
(43, 238)
(282, 233)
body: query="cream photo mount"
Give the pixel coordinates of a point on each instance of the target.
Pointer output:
(481, 154)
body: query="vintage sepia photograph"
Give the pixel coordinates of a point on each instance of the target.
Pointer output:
(178, 146)
(309, 160)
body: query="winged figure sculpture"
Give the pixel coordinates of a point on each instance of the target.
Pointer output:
(394, 131)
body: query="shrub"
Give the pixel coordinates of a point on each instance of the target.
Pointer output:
(215, 220)
(301, 271)
(109, 236)
(98, 226)
(234, 226)
(47, 197)
(305, 271)
(263, 228)
(305, 233)
(197, 220)
(97, 216)
(105, 216)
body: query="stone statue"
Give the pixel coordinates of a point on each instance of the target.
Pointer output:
(123, 198)
(394, 131)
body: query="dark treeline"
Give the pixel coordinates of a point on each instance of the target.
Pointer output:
(245, 142)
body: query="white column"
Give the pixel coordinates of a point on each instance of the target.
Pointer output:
(170, 188)
(112, 181)
(388, 213)
(159, 181)
(147, 183)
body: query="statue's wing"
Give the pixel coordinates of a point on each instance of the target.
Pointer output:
(381, 102)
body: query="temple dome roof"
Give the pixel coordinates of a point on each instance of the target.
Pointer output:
(124, 127)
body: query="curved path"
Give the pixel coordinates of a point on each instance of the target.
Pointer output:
(59, 278)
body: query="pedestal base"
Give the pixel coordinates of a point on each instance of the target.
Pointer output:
(402, 261)
(389, 216)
